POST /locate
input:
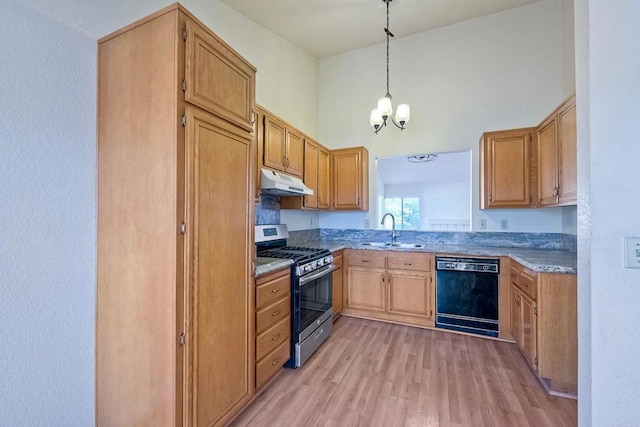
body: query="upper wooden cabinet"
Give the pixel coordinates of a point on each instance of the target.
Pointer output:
(505, 169)
(217, 79)
(315, 176)
(350, 179)
(283, 147)
(557, 172)
(174, 310)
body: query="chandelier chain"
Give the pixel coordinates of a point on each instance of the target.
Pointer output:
(387, 31)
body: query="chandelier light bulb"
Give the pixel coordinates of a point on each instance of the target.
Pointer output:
(403, 114)
(376, 118)
(384, 106)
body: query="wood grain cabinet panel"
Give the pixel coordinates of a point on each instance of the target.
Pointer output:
(337, 291)
(350, 174)
(282, 146)
(174, 344)
(505, 169)
(217, 80)
(272, 324)
(544, 325)
(557, 173)
(390, 286)
(324, 178)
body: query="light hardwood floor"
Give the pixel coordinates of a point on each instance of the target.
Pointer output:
(377, 374)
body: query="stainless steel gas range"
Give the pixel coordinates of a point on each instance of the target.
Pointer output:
(311, 290)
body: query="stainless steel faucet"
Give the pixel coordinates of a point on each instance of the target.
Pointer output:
(394, 233)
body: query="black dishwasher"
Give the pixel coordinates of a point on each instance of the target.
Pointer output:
(467, 295)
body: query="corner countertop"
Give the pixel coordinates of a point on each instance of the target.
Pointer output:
(538, 260)
(268, 265)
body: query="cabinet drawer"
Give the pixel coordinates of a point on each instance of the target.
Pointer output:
(366, 259)
(272, 337)
(524, 279)
(415, 262)
(272, 314)
(528, 284)
(272, 363)
(273, 290)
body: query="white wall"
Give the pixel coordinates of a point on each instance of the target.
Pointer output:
(608, 100)
(287, 79)
(48, 196)
(496, 72)
(47, 212)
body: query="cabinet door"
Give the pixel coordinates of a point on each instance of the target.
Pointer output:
(218, 79)
(409, 293)
(567, 174)
(505, 176)
(311, 173)
(516, 316)
(366, 289)
(350, 179)
(529, 339)
(258, 157)
(323, 179)
(220, 217)
(548, 162)
(275, 135)
(294, 153)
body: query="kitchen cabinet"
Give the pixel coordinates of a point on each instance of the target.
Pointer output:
(273, 324)
(316, 177)
(544, 325)
(283, 146)
(258, 153)
(175, 215)
(350, 179)
(557, 173)
(337, 290)
(506, 180)
(390, 286)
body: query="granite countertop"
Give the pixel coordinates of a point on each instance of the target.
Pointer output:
(268, 265)
(539, 260)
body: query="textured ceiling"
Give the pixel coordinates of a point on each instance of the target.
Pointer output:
(331, 27)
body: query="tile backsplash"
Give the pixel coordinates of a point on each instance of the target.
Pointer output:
(268, 212)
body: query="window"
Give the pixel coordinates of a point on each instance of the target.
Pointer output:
(405, 210)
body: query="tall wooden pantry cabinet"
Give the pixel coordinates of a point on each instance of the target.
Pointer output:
(174, 323)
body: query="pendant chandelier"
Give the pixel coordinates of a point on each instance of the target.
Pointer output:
(384, 111)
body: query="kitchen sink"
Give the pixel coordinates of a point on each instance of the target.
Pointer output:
(407, 245)
(376, 244)
(394, 245)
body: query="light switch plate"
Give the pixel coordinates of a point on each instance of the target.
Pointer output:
(504, 224)
(483, 224)
(632, 252)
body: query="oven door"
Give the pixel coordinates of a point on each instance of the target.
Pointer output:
(315, 299)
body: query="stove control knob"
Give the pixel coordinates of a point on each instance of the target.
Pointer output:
(307, 268)
(320, 262)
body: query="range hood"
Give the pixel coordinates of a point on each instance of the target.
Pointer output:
(280, 184)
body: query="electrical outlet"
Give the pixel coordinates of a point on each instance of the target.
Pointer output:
(483, 224)
(367, 224)
(632, 252)
(504, 224)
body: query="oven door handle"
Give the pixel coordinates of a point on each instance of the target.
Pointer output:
(322, 272)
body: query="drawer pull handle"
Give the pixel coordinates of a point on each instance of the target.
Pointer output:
(277, 359)
(275, 313)
(273, 291)
(275, 337)
(365, 260)
(319, 333)
(408, 263)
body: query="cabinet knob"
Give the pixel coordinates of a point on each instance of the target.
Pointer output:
(276, 336)
(276, 360)
(273, 291)
(275, 313)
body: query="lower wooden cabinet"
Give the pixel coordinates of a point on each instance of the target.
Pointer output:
(273, 324)
(336, 292)
(391, 286)
(544, 325)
